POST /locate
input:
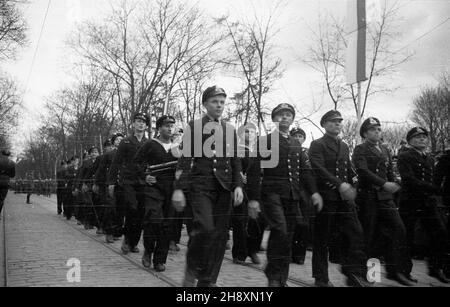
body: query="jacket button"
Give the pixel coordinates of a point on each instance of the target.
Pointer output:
(215, 161)
(215, 170)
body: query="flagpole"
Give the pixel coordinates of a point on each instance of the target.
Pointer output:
(359, 108)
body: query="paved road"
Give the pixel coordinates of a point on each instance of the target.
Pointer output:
(40, 243)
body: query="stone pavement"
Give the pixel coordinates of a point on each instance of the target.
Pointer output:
(40, 243)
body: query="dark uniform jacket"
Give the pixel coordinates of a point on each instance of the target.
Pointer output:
(123, 169)
(61, 179)
(417, 172)
(71, 176)
(442, 174)
(374, 169)
(292, 174)
(87, 173)
(331, 163)
(7, 171)
(153, 153)
(202, 170)
(104, 166)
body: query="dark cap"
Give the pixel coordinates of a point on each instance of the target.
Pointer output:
(115, 136)
(283, 107)
(369, 124)
(92, 149)
(108, 143)
(165, 120)
(415, 132)
(330, 116)
(142, 116)
(6, 152)
(298, 131)
(212, 92)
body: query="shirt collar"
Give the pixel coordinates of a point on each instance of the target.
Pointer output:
(219, 120)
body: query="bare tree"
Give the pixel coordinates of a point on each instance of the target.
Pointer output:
(12, 29)
(432, 111)
(253, 57)
(326, 55)
(393, 135)
(148, 48)
(10, 103)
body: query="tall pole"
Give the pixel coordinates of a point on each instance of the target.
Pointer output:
(359, 110)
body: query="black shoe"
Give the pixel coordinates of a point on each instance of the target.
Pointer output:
(125, 248)
(205, 284)
(299, 261)
(411, 278)
(109, 239)
(275, 284)
(238, 261)
(439, 275)
(357, 281)
(159, 267)
(189, 279)
(323, 284)
(255, 258)
(134, 250)
(400, 278)
(147, 260)
(173, 247)
(100, 231)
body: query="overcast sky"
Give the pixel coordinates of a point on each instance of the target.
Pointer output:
(300, 85)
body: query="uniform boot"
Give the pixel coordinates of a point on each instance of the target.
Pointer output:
(109, 239)
(147, 260)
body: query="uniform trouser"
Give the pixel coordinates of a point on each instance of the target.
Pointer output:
(134, 202)
(239, 220)
(3, 193)
(354, 258)
(77, 205)
(381, 218)
(158, 223)
(68, 204)
(281, 214)
(28, 198)
(435, 229)
(177, 227)
(120, 210)
(109, 211)
(113, 213)
(89, 209)
(302, 233)
(210, 207)
(98, 208)
(255, 230)
(60, 200)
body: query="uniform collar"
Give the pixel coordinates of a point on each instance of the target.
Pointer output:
(283, 134)
(423, 153)
(211, 119)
